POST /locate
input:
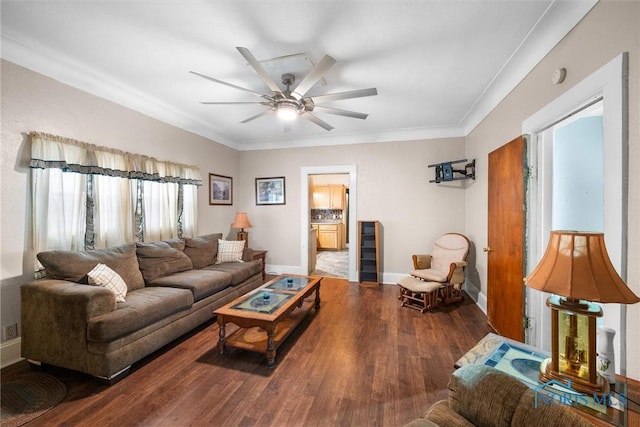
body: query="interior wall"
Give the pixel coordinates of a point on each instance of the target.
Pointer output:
(392, 187)
(30, 102)
(610, 29)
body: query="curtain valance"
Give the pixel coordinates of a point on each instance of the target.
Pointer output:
(52, 151)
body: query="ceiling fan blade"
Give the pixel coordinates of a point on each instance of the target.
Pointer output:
(339, 112)
(232, 102)
(307, 115)
(259, 69)
(312, 78)
(230, 85)
(257, 115)
(345, 95)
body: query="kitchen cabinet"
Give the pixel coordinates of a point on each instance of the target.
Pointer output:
(369, 253)
(328, 197)
(330, 236)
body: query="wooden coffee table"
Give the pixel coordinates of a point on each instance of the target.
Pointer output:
(268, 314)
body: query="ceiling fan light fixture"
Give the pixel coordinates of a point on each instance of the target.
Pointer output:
(287, 111)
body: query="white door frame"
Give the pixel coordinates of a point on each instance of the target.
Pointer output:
(305, 225)
(610, 84)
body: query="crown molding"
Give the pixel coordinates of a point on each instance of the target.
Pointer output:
(65, 70)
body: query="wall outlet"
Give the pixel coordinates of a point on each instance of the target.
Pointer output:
(10, 331)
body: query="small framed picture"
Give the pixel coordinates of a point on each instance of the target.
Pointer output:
(270, 191)
(220, 190)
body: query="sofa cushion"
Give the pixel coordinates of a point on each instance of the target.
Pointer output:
(239, 271)
(102, 275)
(202, 250)
(201, 283)
(431, 275)
(484, 395)
(143, 307)
(230, 251)
(74, 265)
(159, 259)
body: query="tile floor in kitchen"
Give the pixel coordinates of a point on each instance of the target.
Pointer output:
(332, 264)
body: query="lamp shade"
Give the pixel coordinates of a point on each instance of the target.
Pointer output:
(576, 265)
(241, 221)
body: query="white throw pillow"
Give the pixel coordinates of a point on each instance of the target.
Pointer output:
(102, 275)
(230, 251)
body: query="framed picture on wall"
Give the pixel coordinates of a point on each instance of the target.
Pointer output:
(270, 191)
(220, 189)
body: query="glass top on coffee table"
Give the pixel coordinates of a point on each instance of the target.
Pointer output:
(263, 301)
(289, 283)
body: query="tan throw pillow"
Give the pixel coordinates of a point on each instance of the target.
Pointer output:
(102, 275)
(230, 251)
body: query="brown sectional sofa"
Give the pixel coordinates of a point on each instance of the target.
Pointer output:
(172, 287)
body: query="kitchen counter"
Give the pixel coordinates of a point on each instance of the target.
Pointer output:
(325, 221)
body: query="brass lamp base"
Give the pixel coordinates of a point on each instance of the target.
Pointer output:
(601, 387)
(243, 235)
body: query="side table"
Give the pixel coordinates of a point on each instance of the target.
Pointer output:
(261, 255)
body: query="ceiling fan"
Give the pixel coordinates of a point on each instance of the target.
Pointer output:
(291, 103)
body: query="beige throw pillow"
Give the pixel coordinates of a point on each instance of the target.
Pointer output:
(230, 251)
(102, 275)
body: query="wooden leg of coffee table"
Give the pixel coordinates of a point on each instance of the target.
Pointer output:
(222, 337)
(317, 304)
(271, 348)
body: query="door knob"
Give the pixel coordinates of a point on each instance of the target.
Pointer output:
(487, 249)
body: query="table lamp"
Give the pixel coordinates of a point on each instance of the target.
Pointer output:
(242, 222)
(577, 269)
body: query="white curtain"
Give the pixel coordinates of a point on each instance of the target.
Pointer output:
(58, 200)
(160, 203)
(190, 211)
(114, 211)
(85, 196)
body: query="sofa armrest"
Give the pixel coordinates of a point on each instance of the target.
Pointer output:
(421, 262)
(55, 315)
(247, 254)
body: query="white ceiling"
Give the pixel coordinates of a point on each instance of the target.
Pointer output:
(439, 66)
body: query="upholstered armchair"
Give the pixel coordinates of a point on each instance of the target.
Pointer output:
(445, 265)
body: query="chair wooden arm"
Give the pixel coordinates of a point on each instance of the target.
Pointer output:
(420, 262)
(456, 272)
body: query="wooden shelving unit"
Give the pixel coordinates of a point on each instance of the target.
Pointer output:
(369, 253)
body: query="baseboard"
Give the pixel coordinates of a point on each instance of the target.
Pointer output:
(283, 269)
(482, 302)
(10, 352)
(392, 278)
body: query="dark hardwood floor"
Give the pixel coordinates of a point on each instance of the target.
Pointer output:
(361, 360)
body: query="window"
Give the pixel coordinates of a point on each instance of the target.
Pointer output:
(84, 196)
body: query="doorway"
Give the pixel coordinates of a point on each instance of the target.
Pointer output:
(306, 178)
(600, 98)
(329, 217)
